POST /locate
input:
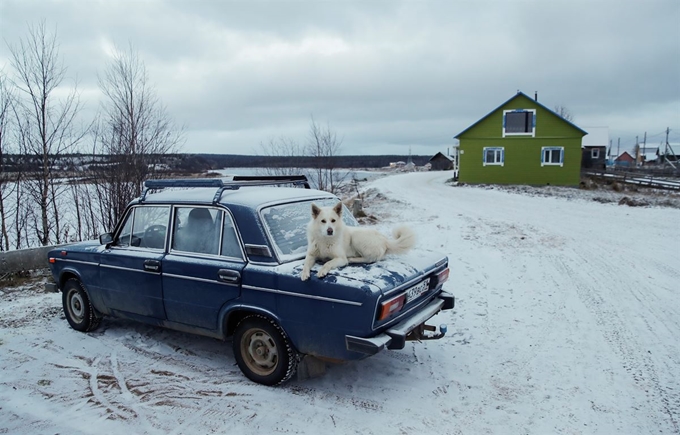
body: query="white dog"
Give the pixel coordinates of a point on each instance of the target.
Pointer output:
(329, 238)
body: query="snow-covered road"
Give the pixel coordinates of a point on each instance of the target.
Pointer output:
(567, 321)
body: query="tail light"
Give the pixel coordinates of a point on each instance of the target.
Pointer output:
(391, 306)
(443, 276)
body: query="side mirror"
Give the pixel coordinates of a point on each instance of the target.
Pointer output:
(106, 238)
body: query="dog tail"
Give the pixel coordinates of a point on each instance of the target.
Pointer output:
(404, 239)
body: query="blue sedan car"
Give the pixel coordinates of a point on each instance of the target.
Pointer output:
(222, 258)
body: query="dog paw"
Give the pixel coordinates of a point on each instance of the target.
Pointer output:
(304, 275)
(323, 272)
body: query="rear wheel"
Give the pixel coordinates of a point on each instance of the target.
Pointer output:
(77, 307)
(263, 352)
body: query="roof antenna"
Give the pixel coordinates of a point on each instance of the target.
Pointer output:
(535, 95)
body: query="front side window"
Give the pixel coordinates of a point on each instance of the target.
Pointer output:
(123, 239)
(144, 227)
(494, 156)
(519, 122)
(552, 156)
(287, 225)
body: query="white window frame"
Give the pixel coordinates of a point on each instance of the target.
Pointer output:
(595, 153)
(544, 149)
(499, 156)
(533, 127)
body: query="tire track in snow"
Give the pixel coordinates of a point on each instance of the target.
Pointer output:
(617, 333)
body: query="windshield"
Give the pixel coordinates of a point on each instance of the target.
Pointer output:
(287, 225)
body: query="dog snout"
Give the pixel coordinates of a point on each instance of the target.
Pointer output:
(329, 231)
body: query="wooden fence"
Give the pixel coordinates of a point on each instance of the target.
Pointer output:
(637, 178)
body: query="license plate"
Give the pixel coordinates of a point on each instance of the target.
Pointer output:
(417, 290)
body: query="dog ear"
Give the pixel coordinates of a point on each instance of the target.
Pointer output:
(315, 211)
(338, 208)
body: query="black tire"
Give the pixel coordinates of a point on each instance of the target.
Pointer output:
(77, 307)
(263, 352)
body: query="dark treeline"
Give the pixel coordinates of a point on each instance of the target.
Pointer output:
(217, 161)
(197, 163)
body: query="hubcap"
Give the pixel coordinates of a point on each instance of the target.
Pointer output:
(76, 306)
(259, 351)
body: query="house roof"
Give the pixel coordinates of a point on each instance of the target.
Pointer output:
(625, 153)
(519, 94)
(673, 149)
(597, 136)
(443, 155)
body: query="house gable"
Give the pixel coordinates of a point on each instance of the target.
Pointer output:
(540, 147)
(548, 123)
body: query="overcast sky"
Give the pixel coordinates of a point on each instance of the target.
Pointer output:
(387, 76)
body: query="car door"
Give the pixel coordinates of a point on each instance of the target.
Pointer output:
(202, 270)
(130, 270)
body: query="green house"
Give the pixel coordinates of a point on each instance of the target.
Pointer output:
(521, 142)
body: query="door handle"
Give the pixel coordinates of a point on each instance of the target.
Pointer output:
(152, 265)
(229, 276)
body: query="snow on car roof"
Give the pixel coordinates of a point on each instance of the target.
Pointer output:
(249, 196)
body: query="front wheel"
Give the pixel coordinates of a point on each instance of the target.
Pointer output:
(263, 352)
(77, 307)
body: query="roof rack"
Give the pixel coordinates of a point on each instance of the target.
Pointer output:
(235, 183)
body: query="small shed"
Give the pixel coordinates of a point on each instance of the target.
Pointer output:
(441, 162)
(594, 148)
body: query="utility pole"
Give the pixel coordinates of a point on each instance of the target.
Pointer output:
(668, 145)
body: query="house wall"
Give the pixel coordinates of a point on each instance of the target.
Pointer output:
(588, 162)
(441, 163)
(522, 153)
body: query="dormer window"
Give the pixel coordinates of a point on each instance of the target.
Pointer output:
(519, 122)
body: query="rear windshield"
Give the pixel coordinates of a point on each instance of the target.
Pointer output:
(287, 225)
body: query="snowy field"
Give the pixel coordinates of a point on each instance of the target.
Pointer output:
(567, 322)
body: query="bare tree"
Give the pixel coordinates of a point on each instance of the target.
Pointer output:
(134, 129)
(564, 113)
(322, 145)
(46, 124)
(283, 147)
(6, 101)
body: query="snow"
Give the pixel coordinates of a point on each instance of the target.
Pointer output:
(566, 322)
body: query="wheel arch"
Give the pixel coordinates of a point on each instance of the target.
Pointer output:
(67, 274)
(233, 315)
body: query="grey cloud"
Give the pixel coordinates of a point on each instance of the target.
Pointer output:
(387, 75)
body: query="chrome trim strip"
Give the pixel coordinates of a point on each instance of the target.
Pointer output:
(129, 269)
(66, 260)
(191, 278)
(319, 298)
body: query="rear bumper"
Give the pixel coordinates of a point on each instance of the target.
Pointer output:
(395, 337)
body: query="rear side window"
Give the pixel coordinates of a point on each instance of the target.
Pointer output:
(197, 230)
(203, 230)
(287, 225)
